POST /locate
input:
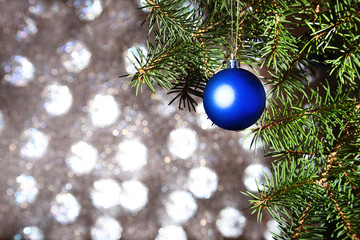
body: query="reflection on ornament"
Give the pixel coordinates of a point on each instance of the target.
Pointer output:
(231, 222)
(133, 195)
(83, 158)
(171, 232)
(35, 143)
(106, 228)
(234, 98)
(104, 110)
(65, 208)
(19, 71)
(224, 96)
(132, 155)
(182, 142)
(202, 182)
(180, 206)
(106, 193)
(27, 190)
(74, 56)
(88, 10)
(255, 173)
(58, 99)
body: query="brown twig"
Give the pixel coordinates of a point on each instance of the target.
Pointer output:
(300, 224)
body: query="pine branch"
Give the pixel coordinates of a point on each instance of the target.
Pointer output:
(300, 225)
(312, 133)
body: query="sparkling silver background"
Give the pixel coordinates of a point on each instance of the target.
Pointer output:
(83, 158)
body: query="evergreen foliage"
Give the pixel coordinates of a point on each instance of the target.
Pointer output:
(311, 129)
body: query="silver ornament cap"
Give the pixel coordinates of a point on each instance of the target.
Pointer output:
(233, 63)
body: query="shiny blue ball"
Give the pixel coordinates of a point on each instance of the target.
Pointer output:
(234, 99)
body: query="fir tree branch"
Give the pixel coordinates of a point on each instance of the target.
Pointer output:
(335, 25)
(300, 225)
(284, 75)
(277, 31)
(312, 134)
(341, 213)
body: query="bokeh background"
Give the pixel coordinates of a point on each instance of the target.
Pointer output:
(82, 157)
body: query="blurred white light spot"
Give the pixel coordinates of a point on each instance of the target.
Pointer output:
(142, 4)
(231, 222)
(253, 173)
(134, 195)
(132, 155)
(83, 158)
(161, 106)
(58, 99)
(309, 74)
(272, 227)
(88, 10)
(180, 206)
(171, 232)
(131, 55)
(224, 96)
(104, 110)
(43, 9)
(202, 182)
(202, 118)
(74, 56)
(19, 71)
(27, 190)
(246, 139)
(35, 143)
(65, 208)
(106, 193)
(182, 142)
(2, 123)
(30, 233)
(106, 228)
(28, 28)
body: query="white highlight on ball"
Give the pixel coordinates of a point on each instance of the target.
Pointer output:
(224, 96)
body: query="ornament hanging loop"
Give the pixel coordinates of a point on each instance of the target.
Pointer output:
(234, 47)
(233, 63)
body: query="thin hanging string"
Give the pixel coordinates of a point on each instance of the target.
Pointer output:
(234, 51)
(237, 26)
(232, 30)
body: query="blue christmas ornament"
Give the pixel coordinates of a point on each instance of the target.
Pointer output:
(234, 98)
